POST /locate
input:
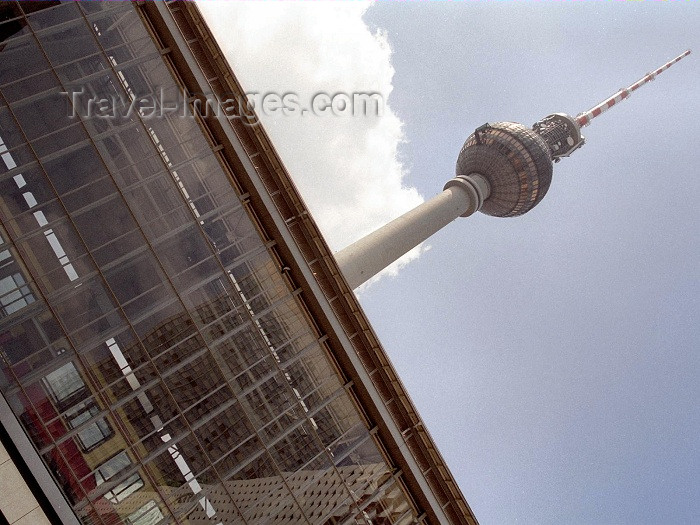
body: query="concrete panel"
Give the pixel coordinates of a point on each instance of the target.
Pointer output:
(16, 500)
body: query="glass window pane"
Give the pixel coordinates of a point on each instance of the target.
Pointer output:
(183, 250)
(11, 138)
(121, 24)
(15, 291)
(12, 21)
(75, 169)
(30, 86)
(44, 116)
(89, 305)
(69, 42)
(32, 341)
(47, 14)
(92, 433)
(64, 383)
(25, 191)
(21, 58)
(135, 277)
(148, 514)
(112, 468)
(104, 222)
(56, 255)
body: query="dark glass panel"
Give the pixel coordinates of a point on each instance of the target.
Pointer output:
(134, 277)
(18, 159)
(53, 248)
(99, 99)
(69, 42)
(296, 447)
(126, 147)
(283, 322)
(12, 21)
(192, 382)
(317, 393)
(150, 413)
(28, 190)
(10, 133)
(252, 462)
(21, 58)
(36, 219)
(30, 86)
(99, 7)
(158, 315)
(102, 223)
(75, 169)
(267, 398)
(134, 79)
(251, 275)
(43, 116)
(241, 350)
(183, 250)
(207, 185)
(64, 276)
(161, 195)
(73, 76)
(89, 306)
(126, 50)
(224, 432)
(46, 14)
(173, 341)
(194, 462)
(120, 366)
(141, 168)
(202, 272)
(305, 348)
(121, 24)
(93, 191)
(32, 342)
(124, 246)
(141, 307)
(212, 300)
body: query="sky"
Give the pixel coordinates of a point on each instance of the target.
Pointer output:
(554, 357)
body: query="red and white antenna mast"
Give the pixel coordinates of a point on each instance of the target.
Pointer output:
(583, 119)
(562, 132)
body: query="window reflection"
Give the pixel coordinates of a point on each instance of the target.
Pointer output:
(94, 432)
(15, 294)
(113, 467)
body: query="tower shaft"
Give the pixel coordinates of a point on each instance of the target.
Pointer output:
(368, 256)
(583, 119)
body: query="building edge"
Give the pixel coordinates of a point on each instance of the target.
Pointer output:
(31, 468)
(271, 197)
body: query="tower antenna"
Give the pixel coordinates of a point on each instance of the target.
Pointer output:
(584, 119)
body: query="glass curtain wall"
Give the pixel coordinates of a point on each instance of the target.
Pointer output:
(149, 345)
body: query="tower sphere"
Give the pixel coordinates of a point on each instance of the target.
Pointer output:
(515, 161)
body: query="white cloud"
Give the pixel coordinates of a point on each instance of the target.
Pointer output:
(346, 168)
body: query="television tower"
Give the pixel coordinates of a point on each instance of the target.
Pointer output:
(504, 169)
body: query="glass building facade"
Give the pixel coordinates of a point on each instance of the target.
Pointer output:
(152, 347)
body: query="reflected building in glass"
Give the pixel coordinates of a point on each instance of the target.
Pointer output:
(177, 344)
